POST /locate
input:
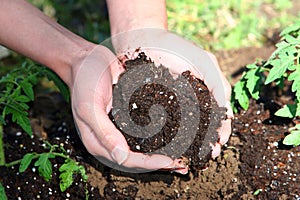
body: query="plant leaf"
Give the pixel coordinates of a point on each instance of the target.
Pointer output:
(292, 28)
(27, 88)
(44, 165)
(293, 138)
(279, 68)
(68, 169)
(295, 76)
(2, 192)
(25, 162)
(22, 98)
(253, 77)
(241, 94)
(288, 110)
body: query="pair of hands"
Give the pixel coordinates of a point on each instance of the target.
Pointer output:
(92, 94)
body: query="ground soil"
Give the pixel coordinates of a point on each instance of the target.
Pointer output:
(253, 161)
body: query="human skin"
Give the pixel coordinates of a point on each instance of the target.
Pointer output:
(28, 31)
(148, 15)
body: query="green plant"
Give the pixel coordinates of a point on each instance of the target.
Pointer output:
(17, 91)
(42, 161)
(227, 24)
(16, 94)
(283, 65)
(2, 193)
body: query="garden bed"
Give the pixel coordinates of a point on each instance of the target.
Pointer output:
(253, 165)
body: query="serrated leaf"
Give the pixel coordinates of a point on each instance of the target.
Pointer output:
(295, 76)
(24, 122)
(28, 89)
(293, 138)
(68, 169)
(2, 192)
(44, 165)
(253, 77)
(241, 94)
(66, 180)
(290, 39)
(22, 98)
(276, 71)
(292, 28)
(288, 110)
(25, 162)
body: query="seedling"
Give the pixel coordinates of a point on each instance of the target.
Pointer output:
(16, 92)
(283, 65)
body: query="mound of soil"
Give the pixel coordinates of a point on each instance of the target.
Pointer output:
(183, 127)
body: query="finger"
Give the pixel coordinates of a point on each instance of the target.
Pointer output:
(116, 69)
(224, 131)
(216, 150)
(135, 159)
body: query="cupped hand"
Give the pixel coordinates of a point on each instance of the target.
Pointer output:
(91, 91)
(180, 55)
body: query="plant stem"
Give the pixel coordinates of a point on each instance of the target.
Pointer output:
(2, 154)
(16, 162)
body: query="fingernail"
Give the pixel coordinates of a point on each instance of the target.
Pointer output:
(119, 155)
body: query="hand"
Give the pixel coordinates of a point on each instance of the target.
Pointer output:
(180, 55)
(91, 92)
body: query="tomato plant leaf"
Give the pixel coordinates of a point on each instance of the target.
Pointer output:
(68, 169)
(44, 165)
(22, 98)
(241, 94)
(279, 68)
(290, 29)
(253, 77)
(25, 162)
(288, 110)
(293, 138)
(28, 90)
(2, 192)
(295, 76)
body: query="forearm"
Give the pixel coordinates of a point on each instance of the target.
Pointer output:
(28, 31)
(128, 15)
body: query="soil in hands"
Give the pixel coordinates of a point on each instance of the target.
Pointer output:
(182, 127)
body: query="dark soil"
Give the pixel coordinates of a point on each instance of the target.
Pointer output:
(254, 160)
(192, 114)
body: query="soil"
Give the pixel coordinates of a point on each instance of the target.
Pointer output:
(191, 119)
(253, 162)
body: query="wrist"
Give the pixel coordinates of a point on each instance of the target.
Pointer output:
(127, 15)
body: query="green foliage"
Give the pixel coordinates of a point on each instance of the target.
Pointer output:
(2, 193)
(67, 172)
(294, 137)
(228, 24)
(87, 18)
(17, 92)
(44, 165)
(248, 87)
(68, 169)
(283, 65)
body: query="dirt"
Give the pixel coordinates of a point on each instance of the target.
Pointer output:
(191, 116)
(253, 162)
